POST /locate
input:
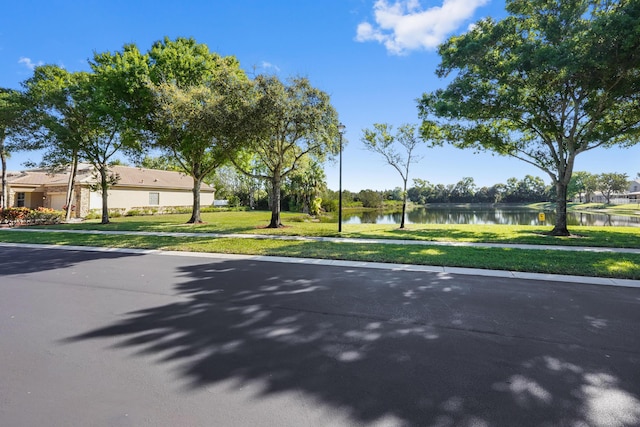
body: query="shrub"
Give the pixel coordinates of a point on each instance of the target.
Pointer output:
(329, 205)
(141, 211)
(316, 206)
(115, 213)
(94, 214)
(300, 218)
(177, 210)
(234, 201)
(370, 198)
(39, 216)
(14, 216)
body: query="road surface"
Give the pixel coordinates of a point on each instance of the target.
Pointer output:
(116, 339)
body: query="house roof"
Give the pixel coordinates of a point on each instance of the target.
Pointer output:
(36, 178)
(141, 177)
(128, 177)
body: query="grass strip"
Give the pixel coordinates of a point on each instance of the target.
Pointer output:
(613, 265)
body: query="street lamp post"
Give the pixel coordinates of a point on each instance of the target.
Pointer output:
(341, 130)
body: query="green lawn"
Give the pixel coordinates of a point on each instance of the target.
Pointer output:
(301, 225)
(540, 261)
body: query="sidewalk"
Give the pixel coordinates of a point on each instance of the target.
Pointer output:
(377, 265)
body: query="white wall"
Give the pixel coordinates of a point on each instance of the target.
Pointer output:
(134, 198)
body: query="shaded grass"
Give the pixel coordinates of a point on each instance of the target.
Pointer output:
(613, 265)
(302, 225)
(214, 222)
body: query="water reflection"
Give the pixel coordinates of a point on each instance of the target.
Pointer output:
(485, 215)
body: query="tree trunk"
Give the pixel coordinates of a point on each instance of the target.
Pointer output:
(3, 197)
(404, 204)
(70, 184)
(195, 212)
(560, 228)
(104, 186)
(275, 203)
(306, 204)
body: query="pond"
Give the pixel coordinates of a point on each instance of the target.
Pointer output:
(484, 215)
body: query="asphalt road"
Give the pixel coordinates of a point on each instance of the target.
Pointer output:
(111, 339)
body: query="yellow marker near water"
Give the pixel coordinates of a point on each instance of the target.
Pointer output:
(541, 217)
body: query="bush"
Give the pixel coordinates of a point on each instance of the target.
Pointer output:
(316, 206)
(370, 199)
(141, 211)
(177, 210)
(329, 205)
(25, 216)
(14, 216)
(41, 216)
(234, 201)
(94, 214)
(115, 213)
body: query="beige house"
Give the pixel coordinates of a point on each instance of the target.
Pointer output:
(632, 195)
(136, 188)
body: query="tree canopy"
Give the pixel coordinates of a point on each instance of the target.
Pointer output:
(199, 108)
(11, 112)
(81, 117)
(612, 183)
(550, 81)
(294, 120)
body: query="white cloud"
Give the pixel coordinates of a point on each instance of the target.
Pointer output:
(405, 25)
(269, 65)
(29, 63)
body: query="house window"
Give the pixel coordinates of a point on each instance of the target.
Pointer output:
(154, 199)
(20, 197)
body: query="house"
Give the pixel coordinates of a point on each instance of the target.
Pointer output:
(632, 195)
(136, 188)
(634, 191)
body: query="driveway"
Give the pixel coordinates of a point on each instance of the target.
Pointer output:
(114, 339)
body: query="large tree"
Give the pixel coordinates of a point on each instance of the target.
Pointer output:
(198, 108)
(550, 81)
(582, 183)
(293, 120)
(610, 184)
(81, 118)
(397, 150)
(59, 123)
(11, 112)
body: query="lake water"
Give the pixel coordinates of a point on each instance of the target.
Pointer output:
(485, 215)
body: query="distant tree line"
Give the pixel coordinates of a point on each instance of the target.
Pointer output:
(530, 189)
(307, 191)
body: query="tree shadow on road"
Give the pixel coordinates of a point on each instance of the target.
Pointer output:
(16, 260)
(404, 348)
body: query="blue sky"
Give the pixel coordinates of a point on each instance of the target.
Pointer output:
(374, 57)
